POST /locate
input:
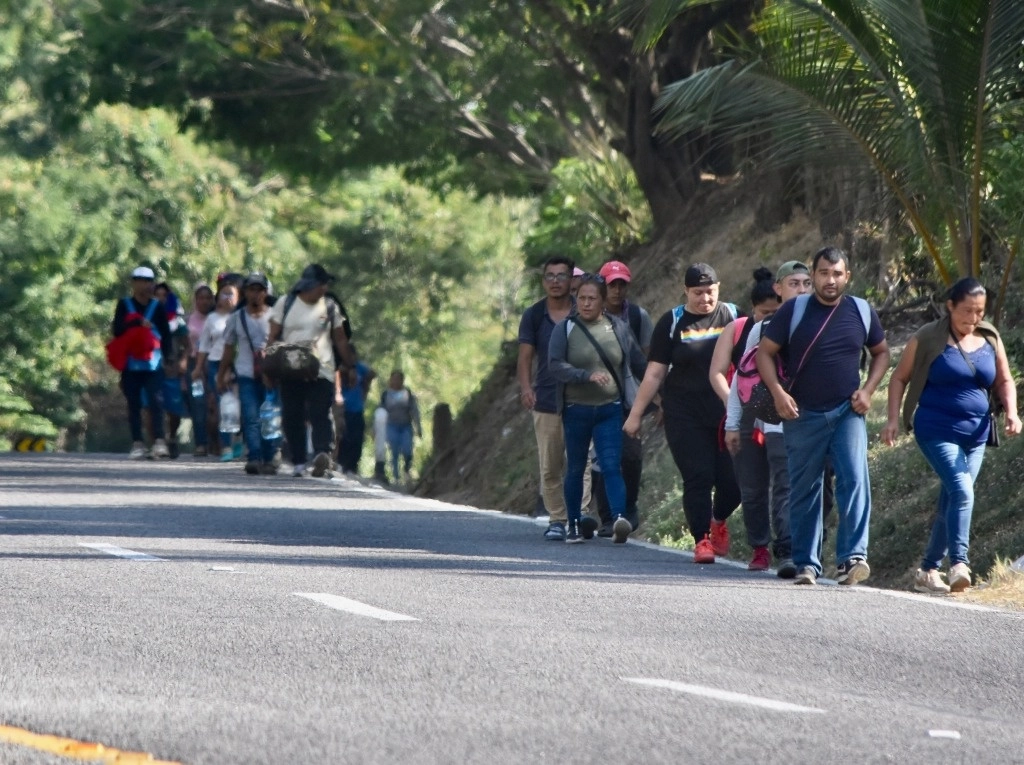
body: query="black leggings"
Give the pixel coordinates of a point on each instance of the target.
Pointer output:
(302, 402)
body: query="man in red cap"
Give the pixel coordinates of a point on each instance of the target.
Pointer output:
(617, 277)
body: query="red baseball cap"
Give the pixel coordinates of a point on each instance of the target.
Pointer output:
(615, 269)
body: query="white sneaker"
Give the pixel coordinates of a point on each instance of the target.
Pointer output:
(160, 450)
(138, 451)
(959, 577)
(930, 581)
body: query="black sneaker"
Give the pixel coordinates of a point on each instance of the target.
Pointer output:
(853, 571)
(786, 568)
(321, 465)
(555, 532)
(252, 467)
(573, 536)
(173, 450)
(588, 527)
(806, 576)
(605, 530)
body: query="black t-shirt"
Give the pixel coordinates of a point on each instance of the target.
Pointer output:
(687, 391)
(831, 372)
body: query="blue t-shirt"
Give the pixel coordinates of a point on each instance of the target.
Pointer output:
(353, 396)
(953, 407)
(831, 372)
(544, 385)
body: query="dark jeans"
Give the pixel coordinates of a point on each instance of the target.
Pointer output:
(709, 485)
(133, 382)
(302, 402)
(582, 424)
(763, 477)
(251, 395)
(632, 470)
(350, 450)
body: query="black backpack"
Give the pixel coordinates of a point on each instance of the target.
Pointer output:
(333, 304)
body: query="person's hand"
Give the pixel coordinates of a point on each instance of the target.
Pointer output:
(1013, 425)
(631, 427)
(601, 378)
(889, 432)
(785, 405)
(659, 417)
(197, 374)
(222, 383)
(338, 398)
(861, 401)
(732, 442)
(527, 398)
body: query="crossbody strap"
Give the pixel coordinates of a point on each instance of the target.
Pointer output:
(974, 371)
(245, 326)
(604, 357)
(815, 340)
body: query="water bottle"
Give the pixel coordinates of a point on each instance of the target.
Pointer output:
(270, 418)
(230, 413)
(198, 391)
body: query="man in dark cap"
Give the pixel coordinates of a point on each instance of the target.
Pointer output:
(307, 316)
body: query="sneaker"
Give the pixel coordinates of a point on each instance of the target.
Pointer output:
(268, 468)
(173, 450)
(199, 451)
(236, 450)
(807, 575)
(588, 527)
(853, 571)
(930, 581)
(138, 451)
(621, 530)
(761, 561)
(605, 530)
(299, 470)
(959, 577)
(321, 464)
(555, 532)
(252, 467)
(704, 552)
(720, 537)
(227, 454)
(160, 450)
(573, 536)
(786, 569)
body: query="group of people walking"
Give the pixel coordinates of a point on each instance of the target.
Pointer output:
(177, 364)
(589, 372)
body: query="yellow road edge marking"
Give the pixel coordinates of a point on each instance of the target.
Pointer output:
(76, 750)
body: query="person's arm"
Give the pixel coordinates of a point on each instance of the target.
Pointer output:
(118, 327)
(342, 344)
(721, 360)
(558, 363)
(654, 376)
(275, 332)
(898, 381)
(368, 379)
(861, 398)
(524, 369)
(339, 399)
(767, 350)
(224, 369)
(1006, 390)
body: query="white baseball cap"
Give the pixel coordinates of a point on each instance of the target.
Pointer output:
(143, 272)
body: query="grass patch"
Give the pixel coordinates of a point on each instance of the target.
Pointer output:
(1003, 587)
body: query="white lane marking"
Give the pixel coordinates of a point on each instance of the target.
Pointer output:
(953, 734)
(118, 552)
(720, 695)
(355, 607)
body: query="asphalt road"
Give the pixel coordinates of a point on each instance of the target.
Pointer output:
(188, 611)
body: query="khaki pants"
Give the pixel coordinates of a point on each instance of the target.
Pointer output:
(551, 456)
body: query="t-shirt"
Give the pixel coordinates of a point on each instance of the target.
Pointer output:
(211, 339)
(196, 321)
(544, 385)
(953, 407)
(310, 324)
(352, 395)
(234, 334)
(580, 353)
(687, 391)
(831, 372)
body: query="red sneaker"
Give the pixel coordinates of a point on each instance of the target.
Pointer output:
(761, 561)
(704, 552)
(720, 538)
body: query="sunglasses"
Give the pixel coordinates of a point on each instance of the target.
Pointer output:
(592, 279)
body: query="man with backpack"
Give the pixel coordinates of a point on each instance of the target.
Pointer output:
(617, 278)
(315, 325)
(820, 338)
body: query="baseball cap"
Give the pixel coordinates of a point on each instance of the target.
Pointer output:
(256, 278)
(143, 272)
(700, 275)
(313, 275)
(578, 271)
(791, 267)
(615, 269)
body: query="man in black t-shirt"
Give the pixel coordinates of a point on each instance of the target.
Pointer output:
(820, 338)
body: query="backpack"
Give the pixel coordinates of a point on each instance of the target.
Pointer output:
(296, 361)
(753, 393)
(333, 303)
(679, 310)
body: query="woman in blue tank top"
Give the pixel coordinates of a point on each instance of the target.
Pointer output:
(948, 370)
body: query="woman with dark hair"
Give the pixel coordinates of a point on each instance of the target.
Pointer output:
(211, 349)
(951, 370)
(202, 305)
(596, 361)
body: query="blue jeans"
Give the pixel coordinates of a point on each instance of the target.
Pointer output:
(603, 425)
(251, 394)
(400, 443)
(957, 467)
(840, 434)
(135, 384)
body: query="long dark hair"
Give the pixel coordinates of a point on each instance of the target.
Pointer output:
(965, 288)
(764, 287)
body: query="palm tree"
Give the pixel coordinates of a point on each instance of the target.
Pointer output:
(928, 95)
